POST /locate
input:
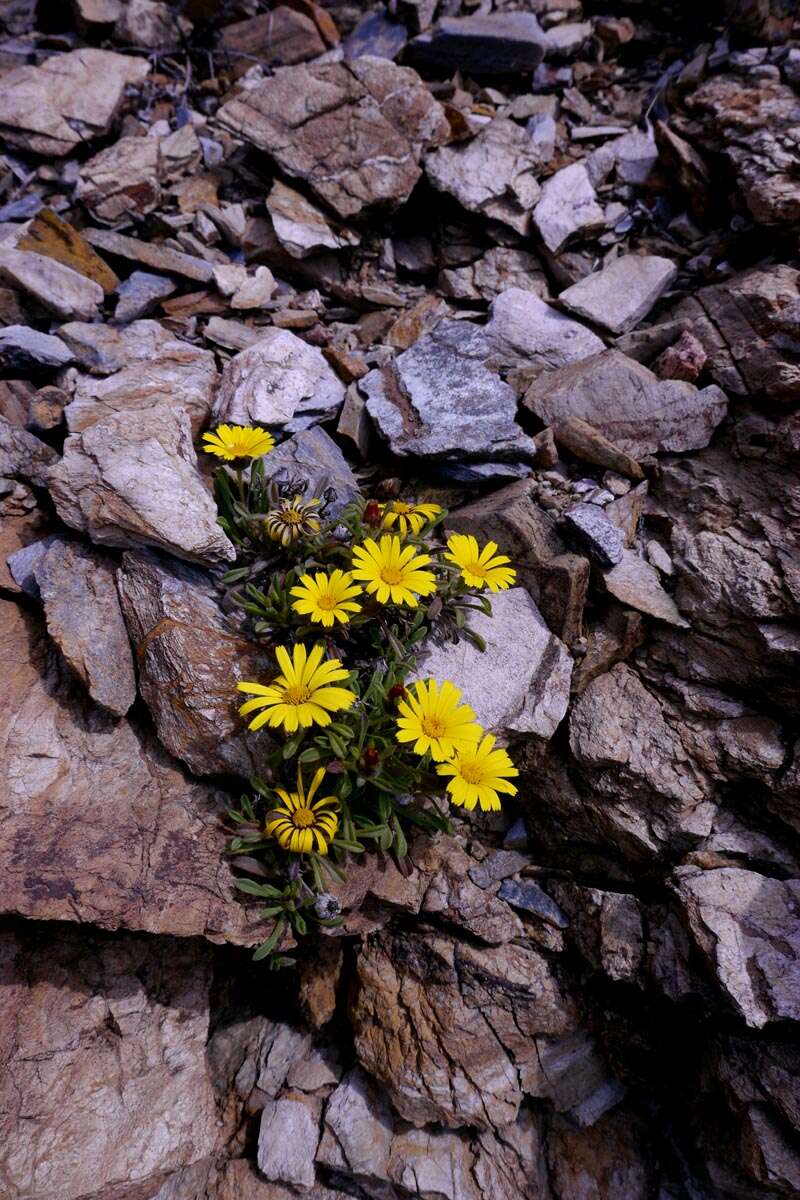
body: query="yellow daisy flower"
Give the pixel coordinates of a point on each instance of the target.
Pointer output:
(302, 824)
(301, 695)
(480, 568)
(292, 520)
(238, 441)
(393, 572)
(478, 773)
(326, 598)
(432, 718)
(409, 516)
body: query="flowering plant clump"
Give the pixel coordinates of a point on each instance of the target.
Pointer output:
(359, 748)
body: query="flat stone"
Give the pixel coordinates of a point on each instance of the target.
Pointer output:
(589, 445)
(498, 270)
(50, 235)
(497, 865)
(494, 174)
(628, 404)
(151, 254)
(23, 455)
(563, 588)
(524, 330)
(140, 294)
(287, 1143)
(562, 41)
(21, 346)
(142, 367)
(313, 457)
(354, 132)
(621, 295)
(529, 897)
(256, 291)
(437, 400)
(568, 208)
(520, 683)
(279, 381)
(131, 480)
(636, 583)
(301, 227)
(498, 43)
(57, 288)
(190, 657)
(377, 35)
(122, 181)
(590, 528)
(151, 25)
(69, 99)
(81, 607)
(277, 38)
(747, 927)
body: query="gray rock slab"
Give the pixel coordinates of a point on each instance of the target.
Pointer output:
(636, 583)
(622, 294)
(498, 43)
(21, 346)
(529, 897)
(55, 286)
(313, 459)
(141, 294)
(568, 208)
(287, 1143)
(523, 329)
(590, 528)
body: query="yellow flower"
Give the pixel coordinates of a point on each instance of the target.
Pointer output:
(238, 441)
(392, 571)
(293, 519)
(301, 695)
(480, 568)
(326, 598)
(409, 516)
(435, 722)
(302, 824)
(478, 773)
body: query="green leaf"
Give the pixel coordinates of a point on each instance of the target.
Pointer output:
(263, 890)
(299, 923)
(269, 945)
(400, 843)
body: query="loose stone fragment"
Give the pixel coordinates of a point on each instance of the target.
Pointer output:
(588, 525)
(635, 583)
(498, 43)
(568, 208)
(141, 294)
(48, 234)
(622, 294)
(21, 346)
(524, 330)
(58, 288)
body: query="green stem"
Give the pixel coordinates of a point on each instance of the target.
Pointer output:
(240, 484)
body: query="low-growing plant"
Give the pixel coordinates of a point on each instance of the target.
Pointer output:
(363, 750)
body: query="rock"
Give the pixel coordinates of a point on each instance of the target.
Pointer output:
(131, 480)
(497, 43)
(421, 318)
(287, 1143)
(124, 180)
(256, 291)
(529, 897)
(589, 526)
(636, 583)
(568, 208)
(520, 683)
(301, 227)
(100, 825)
(607, 928)
(22, 347)
(143, 368)
(494, 174)
(312, 458)
(562, 41)
(437, 400)
(69, 99)
(319, 979)
(628, 405)
(279, 381)
(77, 588)
(48, 234)
(140, 294)
(684, 360)
(524, 330)
(626, 512)
(497, 865)
(451, 1032)
(621, 295)
(611, 1160)
(377, 118)
(23, 455)
(747, 927)
(57, 288)
(151, 25)
(102, 1035)
(498, 270)
(190, 658)
(453, 897)
(376, 34)
(589, 445)
(563, 586)
(151, 254)
(22, 522)
(278, 38)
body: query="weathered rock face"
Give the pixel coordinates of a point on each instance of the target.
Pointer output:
(24, 456)
(69, 99)
(437, 400)
(622, 294)
(568, 208)
(59, 289)
(132, 480)
(523, 329)
(300, 226)
(520, 683)
(104, 1078)
(133, 370)
(451, 1033)
(352, 131)
(99, 825)
(278, 381)
(189, 659)
(628, 404)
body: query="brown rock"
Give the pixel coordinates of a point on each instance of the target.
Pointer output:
(683, 360)
(190, 659)
(319, 977)
(277, 38)
(151, 254)
(123, 180)
(48, 234)
(21, 522)
(563, 584)
(23, 455)
(589, 445)
(610, 1160)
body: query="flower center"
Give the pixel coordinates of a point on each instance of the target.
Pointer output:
(434, 727)
(327, 602)
(303, 818)
(471, 773)
(296, 695)
(402, 509)
(290, 516)
(391, 575)
(476, 568)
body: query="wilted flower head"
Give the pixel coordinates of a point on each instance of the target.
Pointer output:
(293, 519)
